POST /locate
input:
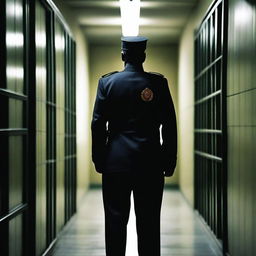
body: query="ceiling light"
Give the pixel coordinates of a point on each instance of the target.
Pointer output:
(130, 17)
(243, 14)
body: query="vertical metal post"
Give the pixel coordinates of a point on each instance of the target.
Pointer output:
(31, 125)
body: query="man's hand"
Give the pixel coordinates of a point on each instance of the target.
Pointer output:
(170, 170)
(99, 167)
(168, 173)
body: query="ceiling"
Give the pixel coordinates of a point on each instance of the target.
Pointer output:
(161, 20)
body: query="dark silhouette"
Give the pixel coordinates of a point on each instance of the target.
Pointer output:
(130, 107)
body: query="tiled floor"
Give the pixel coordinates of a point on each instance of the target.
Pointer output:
(182, 232)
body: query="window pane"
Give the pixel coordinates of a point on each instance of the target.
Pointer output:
(15, 170)
(19, 45)
(14, 45)
(15, 236)
(15, 113)
(12, 113)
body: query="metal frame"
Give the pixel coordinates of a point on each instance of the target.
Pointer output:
(58, 14)
(32, 127)
(51, 129)
(27, 208)
(3, 121)
(70, 131)
(4, 149)
(5, 132)
(224, 128)
(210, 120)
(70, 169)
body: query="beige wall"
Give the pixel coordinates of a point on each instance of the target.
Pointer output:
(186, 101)
(104, 59)
(82, 103)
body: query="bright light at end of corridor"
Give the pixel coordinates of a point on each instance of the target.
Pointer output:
(130, 17)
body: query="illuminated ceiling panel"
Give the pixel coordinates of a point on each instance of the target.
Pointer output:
(162, 21)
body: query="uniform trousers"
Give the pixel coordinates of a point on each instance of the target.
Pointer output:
(147, 191)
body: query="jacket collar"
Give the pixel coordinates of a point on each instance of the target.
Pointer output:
(133, 67)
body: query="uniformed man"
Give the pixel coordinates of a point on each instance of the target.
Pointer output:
(129, 110)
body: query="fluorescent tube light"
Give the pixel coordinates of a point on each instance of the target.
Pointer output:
(130, 17)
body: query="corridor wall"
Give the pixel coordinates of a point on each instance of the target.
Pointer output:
(241, 107)
(37, 128)
(210, 166)
(82, 100)
(203, 177)
(160, 58)
(186, 101)
(14, 130)
(241, 132)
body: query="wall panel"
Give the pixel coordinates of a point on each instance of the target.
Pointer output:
(33, 88)
(241, 103)
(210, 121)
(70, 129)
(16, 236)
(186, 100)
(41, 80)
(82, 99)
(51, 131)
(60, 124)
(13, 129)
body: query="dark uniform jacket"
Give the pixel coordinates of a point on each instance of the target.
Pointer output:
(130, 107)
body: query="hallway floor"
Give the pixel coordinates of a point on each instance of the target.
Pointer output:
(183, 234)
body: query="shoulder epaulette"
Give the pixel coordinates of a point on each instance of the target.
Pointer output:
(110, 73)
(155, 73)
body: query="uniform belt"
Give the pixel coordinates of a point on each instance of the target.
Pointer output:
(150, 133)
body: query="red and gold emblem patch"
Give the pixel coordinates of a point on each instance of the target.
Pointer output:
(147, 94)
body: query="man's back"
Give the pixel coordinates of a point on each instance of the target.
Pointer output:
(135, 104)
(129, 109)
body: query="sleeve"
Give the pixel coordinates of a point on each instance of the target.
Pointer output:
(98, 129)
(169, 132)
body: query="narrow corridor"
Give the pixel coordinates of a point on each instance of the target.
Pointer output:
(182, 232)
(53, 55)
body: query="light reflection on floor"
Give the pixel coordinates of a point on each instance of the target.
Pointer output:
(131, 246)
(182, 234)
